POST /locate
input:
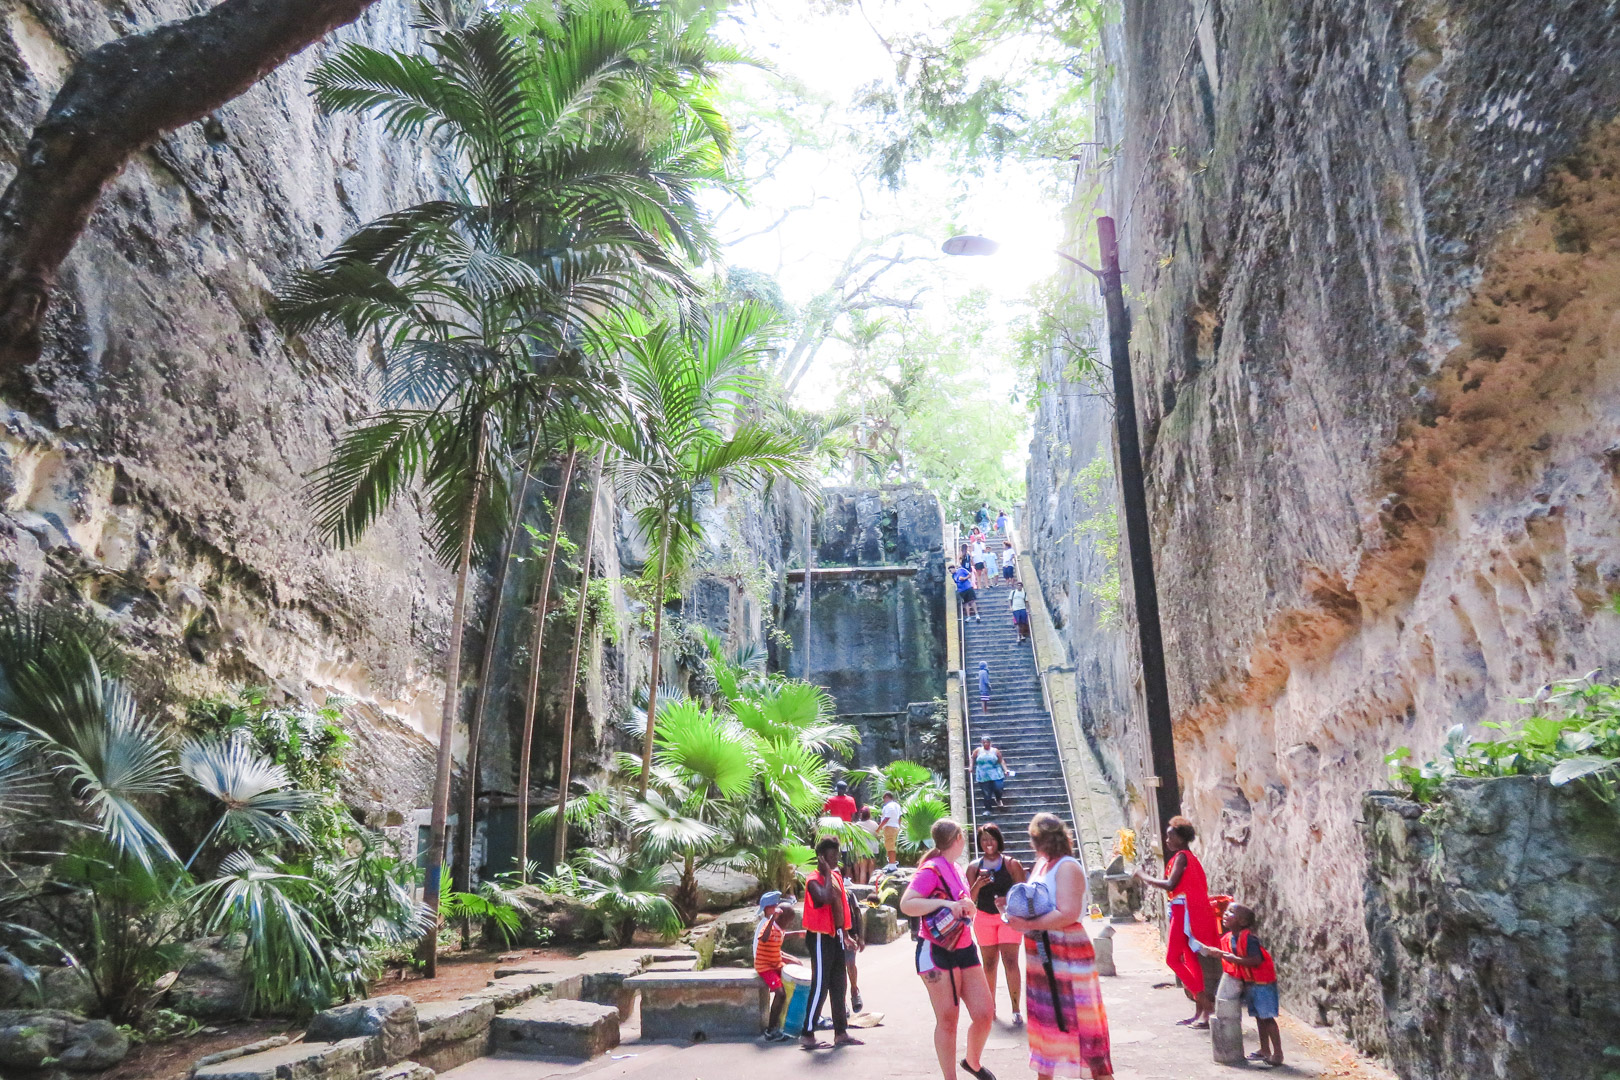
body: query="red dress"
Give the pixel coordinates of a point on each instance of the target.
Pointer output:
(1191, 918)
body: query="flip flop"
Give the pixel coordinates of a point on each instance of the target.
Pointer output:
(1202, 1025)
(1185, 1023)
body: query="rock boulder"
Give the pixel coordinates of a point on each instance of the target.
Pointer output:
(31, 1039)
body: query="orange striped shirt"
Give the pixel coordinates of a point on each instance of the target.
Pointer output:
(768, 949)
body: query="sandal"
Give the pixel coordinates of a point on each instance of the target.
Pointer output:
(981, 1072)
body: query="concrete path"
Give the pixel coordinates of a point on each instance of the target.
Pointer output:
(1146, 1042)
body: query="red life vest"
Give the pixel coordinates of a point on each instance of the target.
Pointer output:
(818, 918)
(1238, 945)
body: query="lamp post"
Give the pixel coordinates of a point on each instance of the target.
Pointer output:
(1133, 494)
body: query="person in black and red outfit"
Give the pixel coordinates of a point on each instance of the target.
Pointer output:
(1245, 959)
(827, 935)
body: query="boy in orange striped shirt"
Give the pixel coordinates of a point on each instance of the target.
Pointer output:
(768, 937)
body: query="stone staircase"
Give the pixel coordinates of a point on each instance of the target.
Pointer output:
(1018, 722)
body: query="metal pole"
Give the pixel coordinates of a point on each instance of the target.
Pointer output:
(1133, 493)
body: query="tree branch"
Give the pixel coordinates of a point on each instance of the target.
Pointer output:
(118, 100)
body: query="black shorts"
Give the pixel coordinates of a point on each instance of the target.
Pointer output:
(931, 957)
(1007, 572)
(967, 596)
(978, 566)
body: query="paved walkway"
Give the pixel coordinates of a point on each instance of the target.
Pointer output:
(1146, 1042)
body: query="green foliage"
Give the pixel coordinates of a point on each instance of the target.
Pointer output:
(624, 891)
(998, 78)
(306, 743)
(118, 899)
(1574, 735)
(488, 906)
(927, 414)
(1097, 522)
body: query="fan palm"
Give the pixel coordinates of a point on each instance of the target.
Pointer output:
(687, 392)
(583, 137)
(86, 728)
(257, 794)
(625, 892)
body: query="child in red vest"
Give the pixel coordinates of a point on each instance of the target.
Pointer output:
(1243, 958)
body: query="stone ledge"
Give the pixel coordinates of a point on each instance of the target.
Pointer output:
(576, 1029)
(700, 1005)
(448, 1021)
(514, 990)
(344, 1060)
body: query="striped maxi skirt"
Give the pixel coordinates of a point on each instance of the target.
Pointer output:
(1082, 1050)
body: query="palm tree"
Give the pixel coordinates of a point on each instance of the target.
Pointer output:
(565, 755)
(582, 139)
(687, 390)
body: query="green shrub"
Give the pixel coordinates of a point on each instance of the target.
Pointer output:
(1574, 735)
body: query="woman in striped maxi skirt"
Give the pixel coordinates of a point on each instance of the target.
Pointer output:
(1068, 1028)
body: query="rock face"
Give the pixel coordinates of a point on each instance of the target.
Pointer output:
(152, 460)
(1492, 920)
(1371, 255)
(37, 1038)
(877, 617)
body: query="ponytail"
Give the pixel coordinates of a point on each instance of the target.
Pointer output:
(944, 833)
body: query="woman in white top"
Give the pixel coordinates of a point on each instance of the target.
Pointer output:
(1068, 1029)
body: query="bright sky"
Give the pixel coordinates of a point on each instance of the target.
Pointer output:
(834, 54)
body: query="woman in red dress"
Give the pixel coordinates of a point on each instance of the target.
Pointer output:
(1192, 919)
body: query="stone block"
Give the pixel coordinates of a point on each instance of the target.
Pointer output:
(674, 965)
(1103, 943)
(604, 982)
(516, 989)
(880, 925)
(30, 1038)
(859, 894)
(241, 1051)
(344, 1060)
(453, 1032)
(1226, 1026)
(389, 1021)
(449, 1021)
(701, 1005)
(404, 1070)
(574, 1029)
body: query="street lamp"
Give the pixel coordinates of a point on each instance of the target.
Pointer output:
(1133, 494)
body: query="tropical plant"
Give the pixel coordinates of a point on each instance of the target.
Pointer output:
(687, 391)
(1573, 735)
(583, 135)
(487, 905)
(625, 893)
(116, 898)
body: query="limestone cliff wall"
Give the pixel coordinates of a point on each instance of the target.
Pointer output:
(1371, 253)
(151, 462)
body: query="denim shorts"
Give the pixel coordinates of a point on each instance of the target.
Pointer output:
(1261, 998)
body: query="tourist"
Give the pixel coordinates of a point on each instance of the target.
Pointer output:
(946, 959)
(977, 547)
(981, 517)
(1191, 919)
(1244, 960)
(854, 945)
(866, 861)
(1068, 1028)
(984, 686)
(992, 566)
(768, 935)
(1019, 603)
(989, 766)
(966, 595)
(889, 827)
(826, 931)
(1009, 562)
(841, 805)
(989, 880)
(1002, 521)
